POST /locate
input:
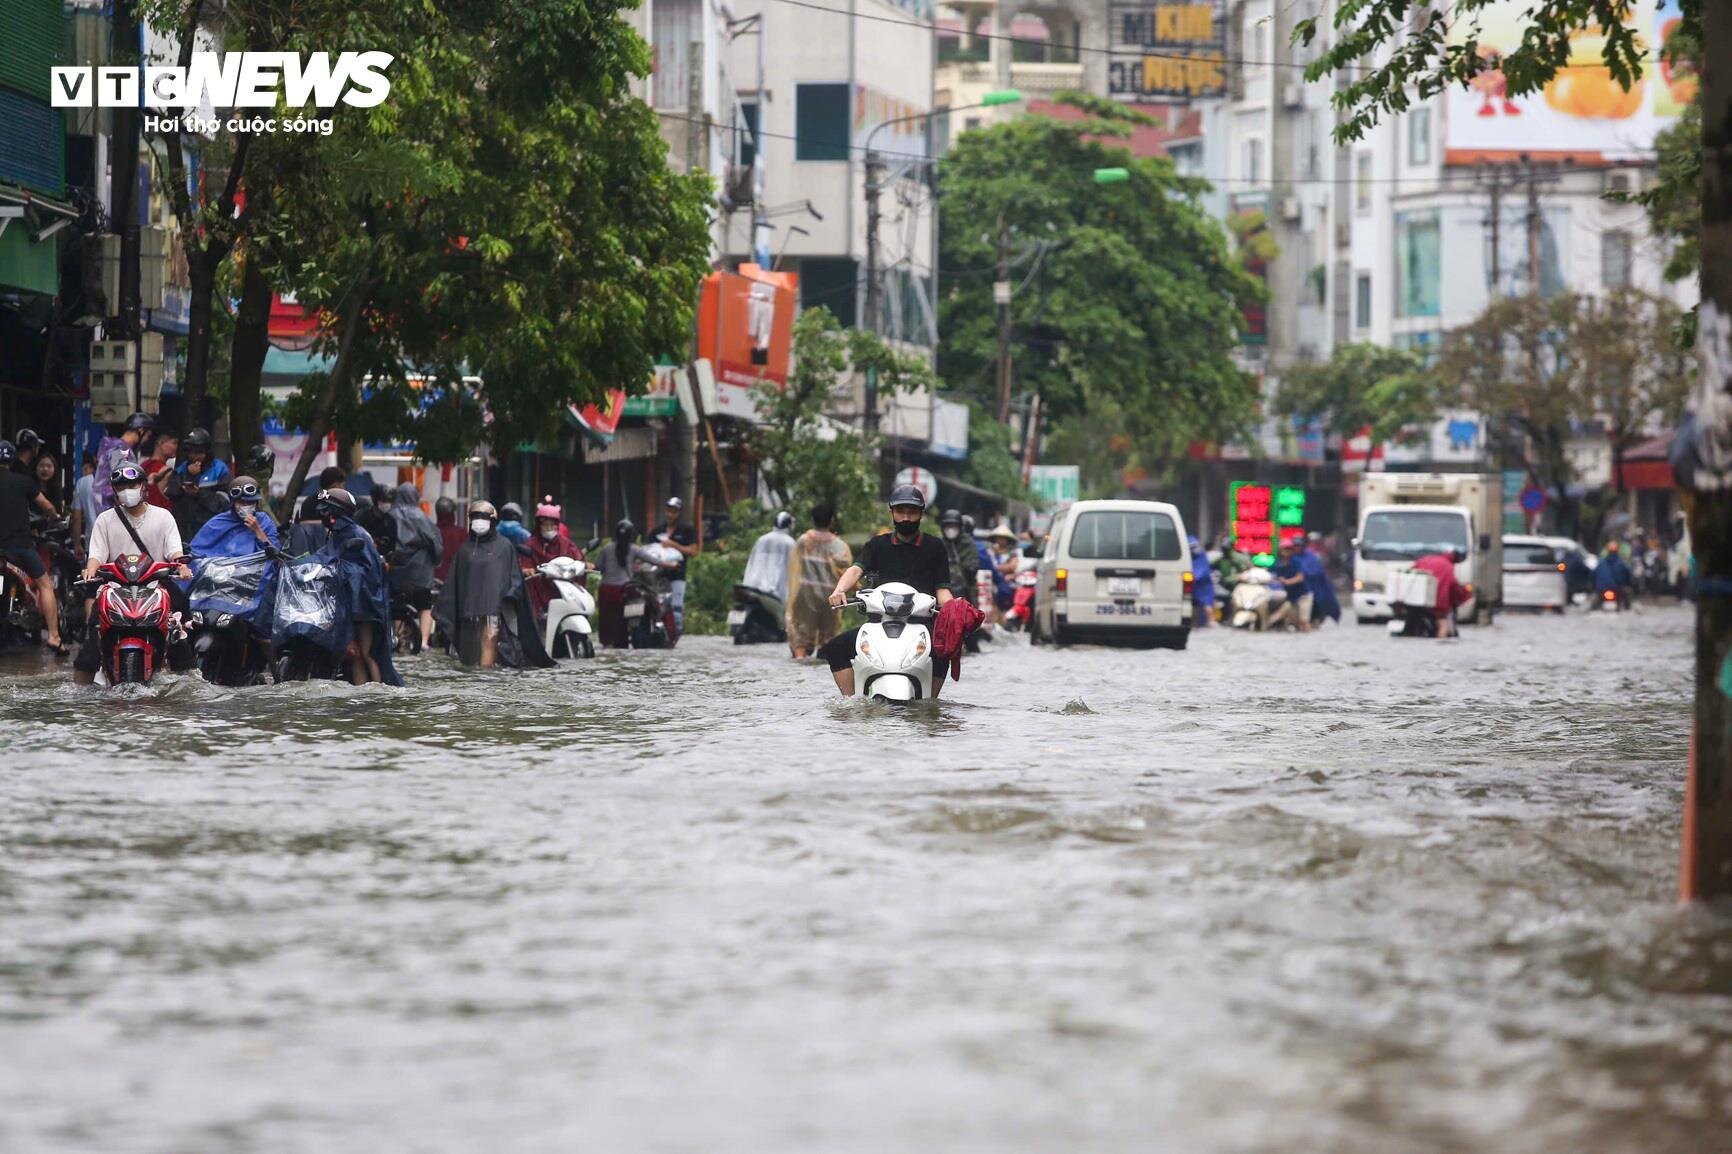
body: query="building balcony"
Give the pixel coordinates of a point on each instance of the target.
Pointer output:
(1026, 78)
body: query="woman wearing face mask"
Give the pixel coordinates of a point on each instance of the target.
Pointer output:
(548, 540)
(482, 606)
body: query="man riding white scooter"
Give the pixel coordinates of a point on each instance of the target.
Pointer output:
(906, 556)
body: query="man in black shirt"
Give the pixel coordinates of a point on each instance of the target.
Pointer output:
(684, 541)
(905, 555)
(18, 492)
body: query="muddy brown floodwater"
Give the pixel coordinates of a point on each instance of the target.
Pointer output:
(1338, 893)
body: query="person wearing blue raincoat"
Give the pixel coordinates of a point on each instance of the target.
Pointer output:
(1202, 586)
(1323, 600)
(243, 530)
(362, 630)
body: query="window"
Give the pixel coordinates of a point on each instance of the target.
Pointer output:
(746, 140)
(1253, 163)
(1126, 536)
(1362, 184)
(1615, 259)
(674, 25)
(1362, 301)
(1419, 136)
(1404, 536)
(832, 282)
(1419, 264)
(821, 122)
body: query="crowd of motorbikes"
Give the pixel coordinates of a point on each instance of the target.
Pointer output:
(139, 622)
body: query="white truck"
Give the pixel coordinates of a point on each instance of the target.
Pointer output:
(1404, 516)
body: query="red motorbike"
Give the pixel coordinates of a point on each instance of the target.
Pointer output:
(133, 618)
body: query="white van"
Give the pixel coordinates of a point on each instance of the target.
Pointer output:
(1115, 571)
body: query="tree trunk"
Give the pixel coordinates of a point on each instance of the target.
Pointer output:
(247, 359)
(202, 278)
(335, 383)
(1707, 852)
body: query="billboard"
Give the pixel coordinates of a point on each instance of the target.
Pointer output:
(746, 326)
(1582, 112)
(1166, 51)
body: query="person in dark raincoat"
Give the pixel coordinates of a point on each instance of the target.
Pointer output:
(483, 608)
(1202, 586)
(1324, 603)
(417, 555)
(241, 530)
(366, 588)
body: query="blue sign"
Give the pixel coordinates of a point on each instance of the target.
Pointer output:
(1533, 499)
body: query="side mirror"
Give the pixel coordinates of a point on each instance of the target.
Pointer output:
(1353, 543)
(1485, 542)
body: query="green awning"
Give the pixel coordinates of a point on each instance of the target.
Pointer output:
(662, 406)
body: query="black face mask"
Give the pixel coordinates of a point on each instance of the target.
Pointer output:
(908, 530)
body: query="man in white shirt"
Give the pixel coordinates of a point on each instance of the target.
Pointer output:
(109, 538)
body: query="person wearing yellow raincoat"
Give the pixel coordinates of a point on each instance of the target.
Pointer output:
(818, 560)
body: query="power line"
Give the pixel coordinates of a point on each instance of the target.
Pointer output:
(1127, 51)
(1462, 180)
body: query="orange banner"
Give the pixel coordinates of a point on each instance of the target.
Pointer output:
(746, 325)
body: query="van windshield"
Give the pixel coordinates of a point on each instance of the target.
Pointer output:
(1395, 535)
(1130, 535)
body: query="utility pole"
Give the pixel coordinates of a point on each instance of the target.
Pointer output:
(1702, 464)
(127, 322)
(1001, 298)
(1534, 177)
(874, 188)
(1496, 179)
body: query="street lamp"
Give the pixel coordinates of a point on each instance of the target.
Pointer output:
(1112, 175)
(874, 185)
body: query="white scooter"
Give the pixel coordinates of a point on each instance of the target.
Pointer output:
(568, 632)
(893, 652)
(1257, 602)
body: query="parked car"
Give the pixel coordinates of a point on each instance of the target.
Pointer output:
(1535, 574)
(1115, 572)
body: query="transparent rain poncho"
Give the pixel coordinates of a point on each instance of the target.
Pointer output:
(229, 584)
(312, 603)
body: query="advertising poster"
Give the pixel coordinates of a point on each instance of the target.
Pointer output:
(1582, 112)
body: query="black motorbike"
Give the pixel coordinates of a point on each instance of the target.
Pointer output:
(405, 625)
(21, 620)
(228, 650)
(648, 608)
(757, 617)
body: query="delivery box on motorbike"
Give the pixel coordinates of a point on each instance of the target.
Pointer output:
(1412, 588)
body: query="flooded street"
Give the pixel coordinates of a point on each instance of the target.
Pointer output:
(1336, 892)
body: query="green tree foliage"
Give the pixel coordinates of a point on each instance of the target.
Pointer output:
(1361, 385)
(993, 463)
(507, 213)
(1538, 367)
(1127, 291)
(804, 456)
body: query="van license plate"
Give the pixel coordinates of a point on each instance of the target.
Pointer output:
(1123, 586)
